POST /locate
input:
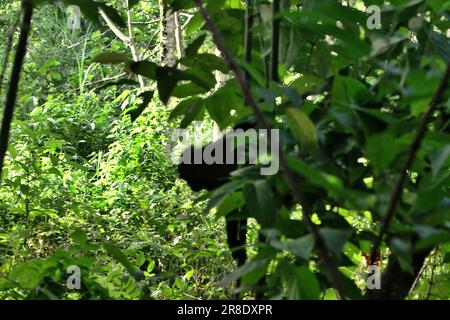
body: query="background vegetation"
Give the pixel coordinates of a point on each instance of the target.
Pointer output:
(365, 135)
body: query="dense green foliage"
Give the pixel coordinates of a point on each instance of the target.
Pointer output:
(88, 179)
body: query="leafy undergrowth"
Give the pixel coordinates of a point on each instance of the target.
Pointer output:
(78, 199)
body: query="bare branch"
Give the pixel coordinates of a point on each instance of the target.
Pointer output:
(114, 28)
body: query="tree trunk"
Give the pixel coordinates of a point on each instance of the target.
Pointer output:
(396, 282)
(172, 47)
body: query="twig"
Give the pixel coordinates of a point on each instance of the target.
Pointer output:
(419, 275)
(288, 173)
(415, 146)
(114, 28)
(145, 22)
(76, 44)
(149, 45)
(21, 50)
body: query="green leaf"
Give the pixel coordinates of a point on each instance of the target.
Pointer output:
(144, 68)
(112, 14)
(183, 107)
(447, 257)
(436, 217)
(250, 267)
(440, 160)
(146, 98)
(195, 24)
(349, 286)
(440, 45)
(402, 251)
(194, 112)
(301, 247)
(307, 83)
(177, 5)
(195, 45)
(117, 254)
(259, 199)
(301, 283)
(132, 3)
(188, 90)
(303, 129)
(335, 239)
(315, 176)
(382, 44)
(79, 236)
(381, 150)
(167, 78)
(119, 82)
(219, 107)
(230, 203)
(220, 194)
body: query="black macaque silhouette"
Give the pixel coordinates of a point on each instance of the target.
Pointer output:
(204, 176)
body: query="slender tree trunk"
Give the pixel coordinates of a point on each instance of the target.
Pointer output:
(132, 45)
(128, 40)
(172, 47)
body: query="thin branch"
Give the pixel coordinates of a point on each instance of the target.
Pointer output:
(146, 22)
(132, 45)
(430, 283)
(76, 44)
(415, 146)
(419, 275)
(288, 173)
(114, 28)
(21, 50)
(149, 45)
(128, 40)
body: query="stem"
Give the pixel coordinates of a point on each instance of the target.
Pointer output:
(275, 40)
(415, 146)
(288, 173)
(419, 275)
(21, 50)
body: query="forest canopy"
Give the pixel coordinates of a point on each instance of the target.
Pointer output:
(225, 149)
